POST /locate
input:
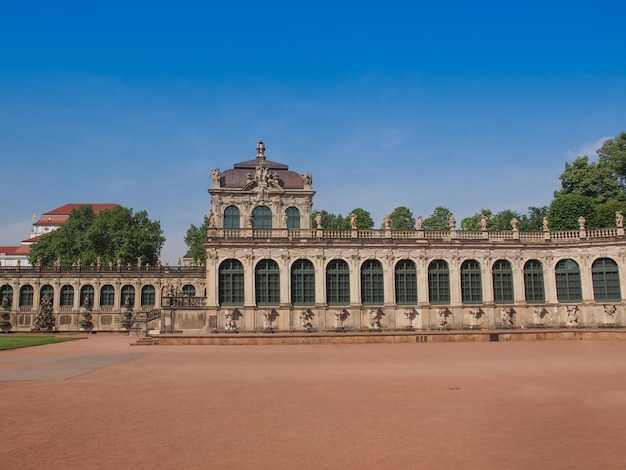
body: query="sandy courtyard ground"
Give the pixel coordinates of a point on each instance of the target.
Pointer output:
(99, 403)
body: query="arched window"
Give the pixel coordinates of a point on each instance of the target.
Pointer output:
(87, 291)
(262, 217)
(302, 282)
(533, 282)
(502, 274)
(267, 282)
(67, 296)
(48, 290)
(231, 282)
(26, 296)
(471, 286)
(605, 277)
(337, 283)
(406, 282)
(568, 286)
(372, 292)
(107, 296)
(231, 217)
(293, 217)
(438, 282)
(148, 294)
(129, 291)
(7, 291)
(188, 291)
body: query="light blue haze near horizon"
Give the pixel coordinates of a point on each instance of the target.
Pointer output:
(466, 105)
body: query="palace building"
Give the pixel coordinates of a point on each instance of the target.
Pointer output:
(271, 267)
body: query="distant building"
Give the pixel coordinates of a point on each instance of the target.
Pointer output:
(48, 222)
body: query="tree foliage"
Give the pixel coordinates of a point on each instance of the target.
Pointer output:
(112, 235)
(439, 220)
(565, 210)
(474, 222)
(330, 221)
(401, 219)
(364, 219)
(614, 151)
(597, 180)
(606, 212)
(195, 239)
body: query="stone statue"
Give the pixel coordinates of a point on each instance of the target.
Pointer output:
(515, 224)
(476, 313)
(353, 221)
(483, 222)
(619, 219)
(571, 320)
(284, 220)
(545, 225)
(5, 316)
(409, 314)
(442, 317)
(452, 223)
(318, 220)
(127, 303)
(609, 314)
(420, 223)
(215, 177)
(387, 222)
(340, 318)
(231, 320)
(260, 150)
(86, 303)
(539, 314)
(250, 220)
(211, 219)
(306, 319)
(581, 222)
(375, 319)
(45, 321)
(268, 319)
(307, 179)
(5, 302)
(506, 317)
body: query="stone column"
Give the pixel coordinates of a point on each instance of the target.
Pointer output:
(455, 281)
(355, 280)
(248, 282)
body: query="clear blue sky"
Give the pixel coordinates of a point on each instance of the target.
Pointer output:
(466, 105)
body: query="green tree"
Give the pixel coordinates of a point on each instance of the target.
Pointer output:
(330, 221)
(597, 180)
(606, 212)
(614, 152)
(401, 219)
(474, 222)
(533, 220)
(111, 235)
(439, 220)
(502, 220)
(195, 239)
(364, 219)
(565, 210)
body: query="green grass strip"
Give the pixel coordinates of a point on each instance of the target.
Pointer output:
(13, 342)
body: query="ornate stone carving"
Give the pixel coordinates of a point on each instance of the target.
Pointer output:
(126, 314)
(230, 320)
(410, 314)
(215, 178)
(5, 315)
(269, 316)
(619, 219)
(353, 221)
(506, 317)
(609, 315)
(442, 318)
(306, 319)
(340, 317)
(539, 314)
(375, 319)
(475, 314)
(45, 321)
(571, 319)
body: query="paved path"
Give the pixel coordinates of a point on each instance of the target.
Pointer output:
(100, 403)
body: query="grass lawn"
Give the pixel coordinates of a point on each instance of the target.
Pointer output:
(12, 342)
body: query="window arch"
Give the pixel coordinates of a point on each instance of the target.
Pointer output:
(533, 282)
(568, 286)
(107, 296)
(438, 282)
(471, 285)
(67, 296)
(372, 292)
(129, 291)
(87, 291)
(231, 282)
(48, 290)
(605, 276)
(262, 217)
(148, 294)
(302, 282)
(27, 294)
(267, 282)
(7, 291)
(502, 275)
(293, 217)
(337, 283)
(406, 282)
(231, 217)
(188, 291)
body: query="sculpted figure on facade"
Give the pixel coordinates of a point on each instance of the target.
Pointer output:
(375, 319)
(475, 313)
(409, 314)
(539, 314)
(619, 219)
(581, 222)
(260, 150)
(387, 222)
(230, 320)
(353, 221)
(442, 318)
(546, 228)
(515, 224)
(268, 319)
(215, 177)
(609, 314)
(420, 222)
(506, 317)
(340, 318)
(211, 219)
(571, 320)
(483, 222)
(306, 319)
(452, 223)
(318, 220)
(307, 179)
